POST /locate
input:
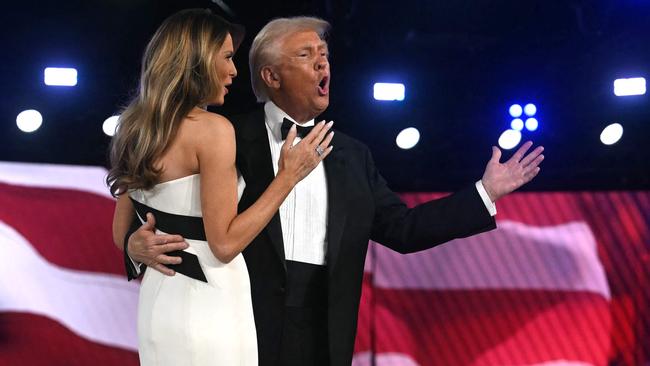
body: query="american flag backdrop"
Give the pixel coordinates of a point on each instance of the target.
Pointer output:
(564, 280)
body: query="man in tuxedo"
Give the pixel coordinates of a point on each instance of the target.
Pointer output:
(306, 267)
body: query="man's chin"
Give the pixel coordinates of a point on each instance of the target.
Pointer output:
(322, 104)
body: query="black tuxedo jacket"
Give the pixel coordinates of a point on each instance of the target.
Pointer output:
(360, 207)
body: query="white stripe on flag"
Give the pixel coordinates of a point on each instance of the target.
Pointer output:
(563, 363)
(83, 178)
(99, 307)
(515, 256)
(383, 359)
(400, 359)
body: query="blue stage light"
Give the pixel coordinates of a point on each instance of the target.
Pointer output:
(530, 109)
(515, 110)
(532, 124)
(60, 76)
(389, 91)
(517, 124)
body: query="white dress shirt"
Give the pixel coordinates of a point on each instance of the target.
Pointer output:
(303, 215)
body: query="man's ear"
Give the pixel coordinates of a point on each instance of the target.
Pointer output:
(270, 77)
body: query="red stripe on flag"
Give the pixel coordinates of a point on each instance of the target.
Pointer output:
(487, 327)
(27, 339)
(69, 228)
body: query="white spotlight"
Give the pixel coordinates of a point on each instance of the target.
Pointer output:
(509, 139)
(515, 110)
(611, 134)
(29, 120)
(517, 124)
(110, 125)
(408, 138)
(532, 124)
(389, 91)
(631, 86)
(530, 109)
(60, 76)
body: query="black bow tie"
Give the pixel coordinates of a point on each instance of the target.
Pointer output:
(302, 131)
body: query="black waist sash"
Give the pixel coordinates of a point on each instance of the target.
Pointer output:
(189, 227)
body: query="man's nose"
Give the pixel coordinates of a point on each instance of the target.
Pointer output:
(322, 63)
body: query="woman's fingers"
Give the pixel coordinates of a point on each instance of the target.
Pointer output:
(326, 142)
(304, 156)
(322, 133)
(291, 136)
(313, 134)
(318, 132)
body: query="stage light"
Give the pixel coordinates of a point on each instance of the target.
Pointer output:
(60, 76)
(611, 134)
(29, 120)
(515, 110)
(532, 124)
(509, 139)
(110, 125)
(517, 124)
(630, 86)
(389, 91)
(530, 109)
(408, 138)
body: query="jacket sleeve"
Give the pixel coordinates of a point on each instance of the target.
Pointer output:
(405, 230)
(131, 271)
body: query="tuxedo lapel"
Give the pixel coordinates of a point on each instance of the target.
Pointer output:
(335, 170)
(256, 166)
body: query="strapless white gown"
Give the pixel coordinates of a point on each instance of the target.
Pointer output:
(183, 321)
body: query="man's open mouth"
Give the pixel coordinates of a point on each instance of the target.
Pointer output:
(324, 86)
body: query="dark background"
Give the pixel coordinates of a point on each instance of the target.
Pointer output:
(464, 62)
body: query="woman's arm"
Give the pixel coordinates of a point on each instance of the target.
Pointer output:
(228, 233)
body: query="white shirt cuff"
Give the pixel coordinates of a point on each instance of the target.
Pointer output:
(491, 206)
(136, 265)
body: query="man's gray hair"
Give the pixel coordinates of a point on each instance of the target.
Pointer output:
(265, 50)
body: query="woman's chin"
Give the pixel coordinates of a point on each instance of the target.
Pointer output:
(217, 101)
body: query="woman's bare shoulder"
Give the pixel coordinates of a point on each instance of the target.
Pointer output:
(203, 127)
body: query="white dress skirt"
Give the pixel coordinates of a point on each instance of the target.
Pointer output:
(185, 321)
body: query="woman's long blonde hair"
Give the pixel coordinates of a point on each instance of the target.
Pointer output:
(178, 73)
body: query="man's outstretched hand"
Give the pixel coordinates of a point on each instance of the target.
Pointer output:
(500, 179)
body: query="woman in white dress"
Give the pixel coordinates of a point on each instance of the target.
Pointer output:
(173, 159)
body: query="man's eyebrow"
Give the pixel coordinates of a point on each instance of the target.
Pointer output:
(309, 48)
(321, 44)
